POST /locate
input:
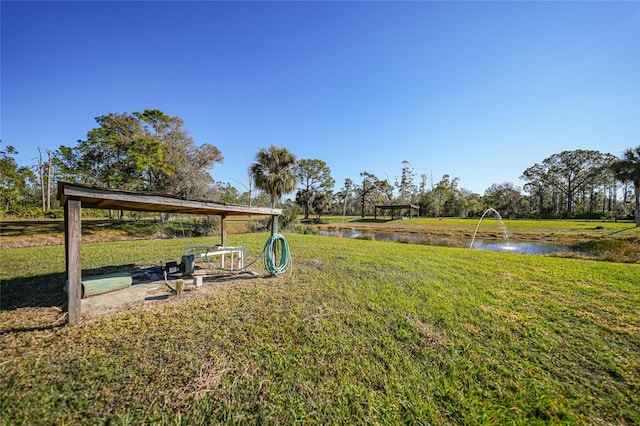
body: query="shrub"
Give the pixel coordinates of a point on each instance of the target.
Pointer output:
(258, 225)
(24, 211)
(289, 217)
(192, 228)
(54, 213)
(367, 237)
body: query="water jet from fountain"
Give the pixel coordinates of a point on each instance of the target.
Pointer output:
(502, 225)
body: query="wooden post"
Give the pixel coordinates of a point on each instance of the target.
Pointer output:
(72, 237)
(223, 226)
(274, 226)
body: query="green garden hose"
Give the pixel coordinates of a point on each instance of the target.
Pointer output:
(268, 255)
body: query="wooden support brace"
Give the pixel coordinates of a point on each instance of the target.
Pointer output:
(73, 237)
(223, 230)
(274, 228)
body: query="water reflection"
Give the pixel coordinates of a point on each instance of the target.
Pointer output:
(527, 248)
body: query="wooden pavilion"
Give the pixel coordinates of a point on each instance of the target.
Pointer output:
(74, 196)
(396, 207)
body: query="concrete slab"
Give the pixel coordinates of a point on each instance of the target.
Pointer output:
(156, 291)
(139, 292)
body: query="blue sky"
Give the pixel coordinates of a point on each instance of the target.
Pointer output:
(477, 90)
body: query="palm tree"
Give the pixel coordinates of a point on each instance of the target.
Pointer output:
(627, 169)
(273, 172)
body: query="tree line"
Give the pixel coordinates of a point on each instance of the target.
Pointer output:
(152, 151)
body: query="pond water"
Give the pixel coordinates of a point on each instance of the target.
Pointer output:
(527, 248)
(415, 238)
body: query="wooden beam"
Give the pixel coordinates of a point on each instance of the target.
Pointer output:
(274, 229)
(73, 238)
(107, 198)
(223, 226)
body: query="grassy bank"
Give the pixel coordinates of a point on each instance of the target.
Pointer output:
(363, 332)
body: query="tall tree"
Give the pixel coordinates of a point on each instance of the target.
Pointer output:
(321, 203)
(41, 168)
(367, 191)
(14, 180)
(627, 169)
(111, 155)
(146, 150)
(110, 151)
(537, 186)
(344, 197)
(405, 186)
(505, 198)
(224, 192)
(445, 194)
(384, 192)
(45, 171)
(273, 172)
(601, 194)
(184, 166)
(568, 171)
(49, 175)
(315, 179)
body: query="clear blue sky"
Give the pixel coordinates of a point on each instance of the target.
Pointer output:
(477, 90)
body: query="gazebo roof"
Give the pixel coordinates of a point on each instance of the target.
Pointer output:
(118, 199)
(397, 206)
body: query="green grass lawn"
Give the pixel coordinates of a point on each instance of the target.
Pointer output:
(362, 332)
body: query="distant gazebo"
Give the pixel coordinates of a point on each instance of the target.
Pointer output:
(397, 207)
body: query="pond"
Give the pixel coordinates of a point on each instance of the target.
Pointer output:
(526, 248)
(426, 239)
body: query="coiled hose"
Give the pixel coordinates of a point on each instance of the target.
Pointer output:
(268, 255)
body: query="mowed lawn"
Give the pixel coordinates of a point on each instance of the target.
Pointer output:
(362, 332)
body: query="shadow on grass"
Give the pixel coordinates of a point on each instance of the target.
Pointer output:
(31, 227)
(20, 228)
(43, 291)
(622, 230)
(365, 220)
(59, 324)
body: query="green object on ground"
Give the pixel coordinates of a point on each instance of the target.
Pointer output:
(268, 255)
(100, 284)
